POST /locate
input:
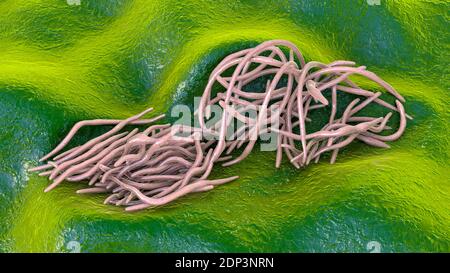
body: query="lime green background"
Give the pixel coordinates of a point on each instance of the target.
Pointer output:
(61, 63)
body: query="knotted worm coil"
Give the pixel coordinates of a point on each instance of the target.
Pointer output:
(155, 166)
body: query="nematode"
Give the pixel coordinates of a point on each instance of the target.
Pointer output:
(155, 166)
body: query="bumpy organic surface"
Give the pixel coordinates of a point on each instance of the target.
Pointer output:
(62, 62)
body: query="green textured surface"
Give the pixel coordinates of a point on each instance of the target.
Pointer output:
(60, 63)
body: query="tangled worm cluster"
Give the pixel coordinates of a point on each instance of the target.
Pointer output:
(290, 104)
(141, 169)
